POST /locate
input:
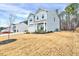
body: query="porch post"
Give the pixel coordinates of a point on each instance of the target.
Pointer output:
(44, 26)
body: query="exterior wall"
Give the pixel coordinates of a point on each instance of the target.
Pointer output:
(8, 29)
(31, 24)
(41, 20)
(32, 28)
(21, 27)
(52, 21)
(39, 15)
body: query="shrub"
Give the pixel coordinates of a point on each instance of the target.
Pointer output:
(56, 29)
(49, 31)
(26, 32)
(40, 32)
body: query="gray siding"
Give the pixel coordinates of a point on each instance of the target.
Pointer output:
(52, 21)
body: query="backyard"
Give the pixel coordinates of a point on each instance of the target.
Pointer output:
(52, 44)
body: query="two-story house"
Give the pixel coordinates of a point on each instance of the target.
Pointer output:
(43, 20)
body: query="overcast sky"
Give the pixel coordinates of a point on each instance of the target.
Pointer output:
(20, 11)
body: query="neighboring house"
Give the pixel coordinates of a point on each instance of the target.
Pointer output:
(5, 30)
(43, 20)
(20, 27)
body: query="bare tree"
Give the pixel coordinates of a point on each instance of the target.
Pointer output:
(11, 20)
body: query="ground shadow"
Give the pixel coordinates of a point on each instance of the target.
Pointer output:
(7, 41)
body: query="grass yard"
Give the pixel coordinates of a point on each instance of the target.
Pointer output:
(51, 44)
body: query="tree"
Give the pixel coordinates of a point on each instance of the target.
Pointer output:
(11, 20)
(63, 22)
(71, 10)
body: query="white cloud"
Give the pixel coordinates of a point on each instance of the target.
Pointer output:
(6, 9)
(13, 9)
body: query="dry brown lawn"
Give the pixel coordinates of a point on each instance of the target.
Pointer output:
(51, 44)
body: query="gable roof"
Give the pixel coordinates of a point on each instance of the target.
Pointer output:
(30, 15)
(41, 10)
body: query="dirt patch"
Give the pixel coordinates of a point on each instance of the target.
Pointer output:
(52, 44)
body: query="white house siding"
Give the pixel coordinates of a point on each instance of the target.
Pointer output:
(21, 27)
(52, 21)
(31, 24)
(31, 28)
(41, 20)
(39, 14)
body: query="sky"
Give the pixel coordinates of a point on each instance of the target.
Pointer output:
(20, 11)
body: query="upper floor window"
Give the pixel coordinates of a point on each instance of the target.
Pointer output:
(30, 20)
(34, 16)
(42, 16)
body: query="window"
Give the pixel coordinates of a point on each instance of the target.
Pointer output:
(42, 16)
(34, 16)
(30, 20)
(37, 18)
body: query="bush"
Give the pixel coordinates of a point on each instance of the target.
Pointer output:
(49, 31)
(56, 30)
(26, 32)
(40, 32)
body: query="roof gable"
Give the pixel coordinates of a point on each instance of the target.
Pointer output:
(30, 15)
(41, 9)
